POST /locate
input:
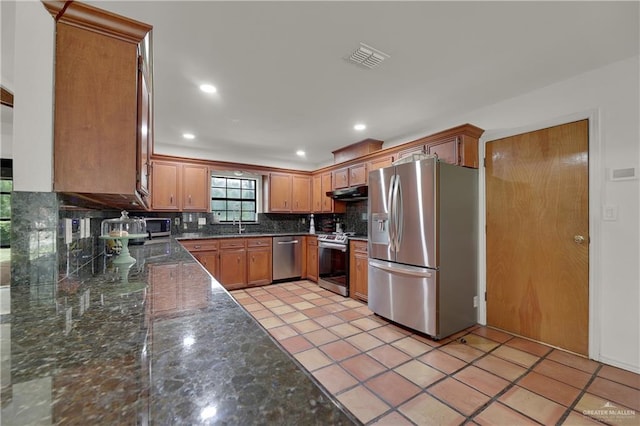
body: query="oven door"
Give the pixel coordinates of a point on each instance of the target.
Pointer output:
(333, 267)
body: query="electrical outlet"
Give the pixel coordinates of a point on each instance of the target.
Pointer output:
(176, 221)
(475, 301)
(202, 221)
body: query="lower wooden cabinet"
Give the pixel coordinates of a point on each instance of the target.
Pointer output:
(205, 252)
(358, 270)
(235, 262)
(259, 261)
(312, 258)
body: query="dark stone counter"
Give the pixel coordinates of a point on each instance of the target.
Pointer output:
(156, 342)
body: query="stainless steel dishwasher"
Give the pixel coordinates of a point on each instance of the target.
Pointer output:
(287, 257)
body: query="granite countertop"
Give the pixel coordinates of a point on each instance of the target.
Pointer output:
(159, 342)
(200, 236)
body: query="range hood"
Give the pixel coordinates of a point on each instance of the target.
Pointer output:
(353, 193)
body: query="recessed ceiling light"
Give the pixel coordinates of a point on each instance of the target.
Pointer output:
(188, 136)
(208, 88)
(300, 153)
(360, 126)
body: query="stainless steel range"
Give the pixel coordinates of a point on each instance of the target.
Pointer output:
(333, 263)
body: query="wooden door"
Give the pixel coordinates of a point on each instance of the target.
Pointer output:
(537, 235)
(316, 193)
(446, 150)
(300, 194)
(358, 175)
(279, 192)
(195, 187)
(358, 274)
(233, 268)
(312, 259)
(164, 186)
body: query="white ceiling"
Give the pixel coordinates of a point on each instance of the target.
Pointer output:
(283, 83)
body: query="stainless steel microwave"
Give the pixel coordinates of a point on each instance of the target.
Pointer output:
(158, 227)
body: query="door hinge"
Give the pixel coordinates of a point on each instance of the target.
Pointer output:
(485, 296)
(484, 161)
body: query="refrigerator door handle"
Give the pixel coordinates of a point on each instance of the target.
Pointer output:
(390, 204)
(399, 269)
(399, 212)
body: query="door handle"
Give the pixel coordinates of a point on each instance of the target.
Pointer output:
(578, 239)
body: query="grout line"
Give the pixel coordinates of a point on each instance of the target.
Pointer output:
(570, 408)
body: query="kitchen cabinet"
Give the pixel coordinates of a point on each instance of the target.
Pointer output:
(350, 176)
(417, 149)
(312, 258)
(287, 193)
(259, 262)
(179, 186)
(176, 288)
(358, 270)
(233, 263)
(323, 183)
(460, 150)
(206, 253)
(102, 118)
(379, 163)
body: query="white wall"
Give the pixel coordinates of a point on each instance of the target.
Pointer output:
(33, 98)
(611, 95)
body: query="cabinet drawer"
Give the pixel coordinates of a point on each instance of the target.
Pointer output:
(259, 242)
(200, 245)
(359, 246)
(232, 243)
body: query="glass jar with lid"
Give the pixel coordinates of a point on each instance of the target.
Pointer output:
(124, 226)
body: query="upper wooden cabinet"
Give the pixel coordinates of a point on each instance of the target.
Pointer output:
(322, 183)
(350, 176)
(287, 193)
(102, 119)
(379, 163)
(179, 187)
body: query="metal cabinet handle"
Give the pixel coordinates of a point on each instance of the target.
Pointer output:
(197, 247)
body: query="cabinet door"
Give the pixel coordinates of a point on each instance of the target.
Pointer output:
(358, 270)
(233, 268)
(279, 192)
(259, 266)
(300, 194)
(380, 163)
(195, 187)
(316, 194)
(420, 149)
(312, 259)
(358, 175)
(327, 202)
(144, 128)
(447, 150)
(164, 186)
(95, 113)
(208, 259)
(341, 178)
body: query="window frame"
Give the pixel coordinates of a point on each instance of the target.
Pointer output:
(257, 179)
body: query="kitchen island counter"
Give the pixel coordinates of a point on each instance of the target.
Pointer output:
(159, 341)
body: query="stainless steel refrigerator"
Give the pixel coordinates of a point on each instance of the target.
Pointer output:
(423, 238)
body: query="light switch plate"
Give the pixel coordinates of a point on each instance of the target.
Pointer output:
(610, 212)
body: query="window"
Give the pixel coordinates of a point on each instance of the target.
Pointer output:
(234, 198)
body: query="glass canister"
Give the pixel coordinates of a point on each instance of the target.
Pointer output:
(123, 226)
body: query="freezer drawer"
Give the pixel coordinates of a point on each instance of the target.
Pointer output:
(404, 294)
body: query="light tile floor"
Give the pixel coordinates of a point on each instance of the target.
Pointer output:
(387, 375)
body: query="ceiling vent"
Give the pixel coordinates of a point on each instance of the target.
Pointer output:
(367, 56)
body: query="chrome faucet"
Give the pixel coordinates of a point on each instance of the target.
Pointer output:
(240, 228)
